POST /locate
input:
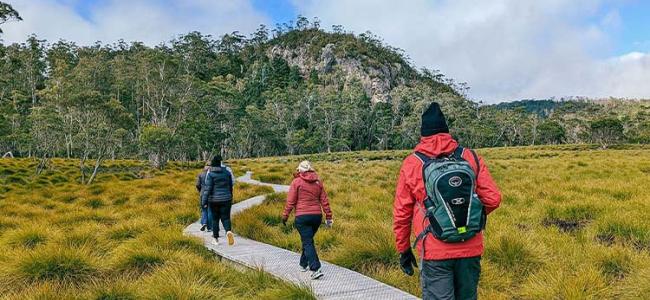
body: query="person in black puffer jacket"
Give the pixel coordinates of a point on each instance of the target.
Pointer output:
(218, 197)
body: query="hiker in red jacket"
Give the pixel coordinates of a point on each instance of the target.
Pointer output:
(307, 195)
(450, 270)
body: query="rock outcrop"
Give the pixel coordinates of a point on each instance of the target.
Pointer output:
(376, 81)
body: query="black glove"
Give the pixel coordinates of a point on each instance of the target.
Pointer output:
(407, 261)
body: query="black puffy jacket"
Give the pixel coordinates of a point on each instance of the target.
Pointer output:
(218, 187)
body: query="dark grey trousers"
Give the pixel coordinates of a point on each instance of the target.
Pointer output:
(451, 279)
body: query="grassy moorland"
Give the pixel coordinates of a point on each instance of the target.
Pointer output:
(120, 238)
(572, 225)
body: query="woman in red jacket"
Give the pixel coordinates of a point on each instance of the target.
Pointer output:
(308, 197)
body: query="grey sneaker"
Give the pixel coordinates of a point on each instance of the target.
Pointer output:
(317, 274)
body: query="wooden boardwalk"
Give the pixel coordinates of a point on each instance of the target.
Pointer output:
(338, 282)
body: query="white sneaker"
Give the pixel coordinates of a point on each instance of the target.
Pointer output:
(231, 238)
(215, 241)
(317, 274)
(304, 269)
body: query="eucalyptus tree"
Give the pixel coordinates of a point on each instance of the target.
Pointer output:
(8, 14)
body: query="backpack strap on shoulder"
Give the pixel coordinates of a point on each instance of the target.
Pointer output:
(478, 166)
(423, 157)
(458, 153)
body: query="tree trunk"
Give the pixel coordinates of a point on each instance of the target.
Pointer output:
(82, 168)
(98, 162)
(41, 164)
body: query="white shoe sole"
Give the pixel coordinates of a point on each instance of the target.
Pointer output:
(317, 276)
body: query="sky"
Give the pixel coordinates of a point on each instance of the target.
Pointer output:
(504, 49)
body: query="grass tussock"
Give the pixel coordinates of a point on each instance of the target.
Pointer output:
(68, 267)
(120, 238)
(571, 224)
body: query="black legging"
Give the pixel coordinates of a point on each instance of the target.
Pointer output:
(220, 211)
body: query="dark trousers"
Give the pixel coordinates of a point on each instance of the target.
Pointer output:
(307, 226)
(206, 216)
(450, 279)
(220, 211)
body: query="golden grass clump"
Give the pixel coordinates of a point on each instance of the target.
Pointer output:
(572, 223)
(119, 238)
(68, 267)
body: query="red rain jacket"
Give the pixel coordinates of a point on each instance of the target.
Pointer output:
(307, 195)
(408, 208)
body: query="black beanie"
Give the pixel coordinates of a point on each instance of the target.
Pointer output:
(216, 161)
(433, 121)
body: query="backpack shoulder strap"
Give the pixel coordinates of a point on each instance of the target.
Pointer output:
(423, 157)
(478, 166)
(458, 153)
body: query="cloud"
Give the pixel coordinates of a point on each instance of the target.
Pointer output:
(504, 49)
(149, 21)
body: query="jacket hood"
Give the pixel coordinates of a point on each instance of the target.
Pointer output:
(437, 144)
(309, 176)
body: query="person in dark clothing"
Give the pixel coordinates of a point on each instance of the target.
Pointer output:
(218, 197)
(308, 197)
(206, 213)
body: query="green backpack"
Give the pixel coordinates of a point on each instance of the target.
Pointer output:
(454, 210)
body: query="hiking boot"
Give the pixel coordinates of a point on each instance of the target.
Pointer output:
(304, 269)
(231, 238)
(317, 274)
(215, 241)
(203, 227)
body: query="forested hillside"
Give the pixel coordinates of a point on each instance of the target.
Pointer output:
(605, 122)
(291, 90)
